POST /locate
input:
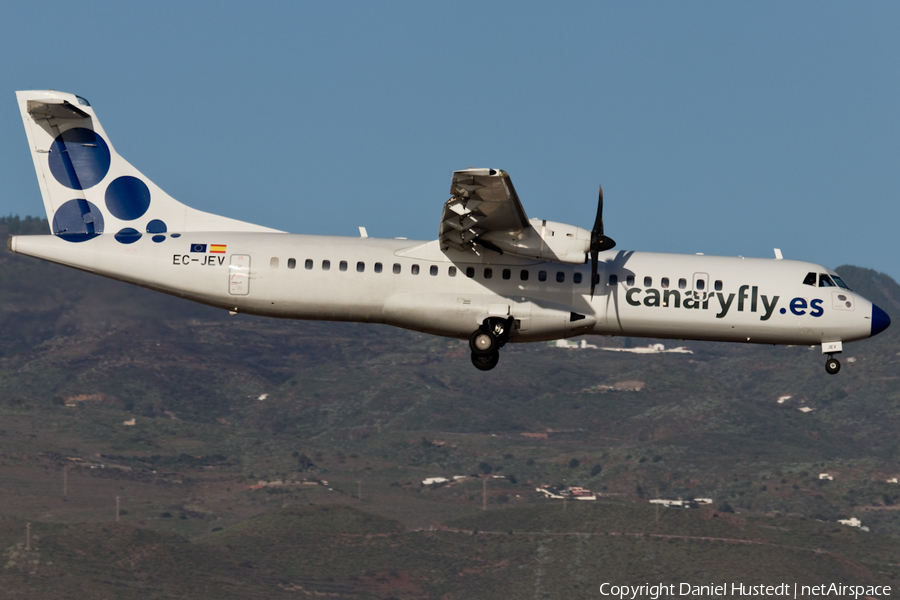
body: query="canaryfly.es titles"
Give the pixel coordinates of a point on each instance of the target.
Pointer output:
(783, 590)
(747, 298)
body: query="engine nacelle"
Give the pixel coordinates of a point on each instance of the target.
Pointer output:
(545, 240)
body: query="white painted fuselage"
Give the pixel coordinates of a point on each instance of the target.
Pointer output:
(418, 286)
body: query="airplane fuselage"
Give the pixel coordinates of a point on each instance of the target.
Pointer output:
(416, 285)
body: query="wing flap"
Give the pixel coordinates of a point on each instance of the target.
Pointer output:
(484, 212)
(483, 201)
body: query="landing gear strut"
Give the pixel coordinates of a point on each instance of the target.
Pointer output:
(487, 340)
(832, 365)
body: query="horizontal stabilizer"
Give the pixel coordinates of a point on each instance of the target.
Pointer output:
(55, 108)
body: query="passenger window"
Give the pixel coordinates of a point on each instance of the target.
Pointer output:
(825, 281)
(613, 280)
(470, 271)
(488, 273)
(701, 285)
(292, 263)
(378, 267)
(629, 280)
(810, 279)
(560, 277)
(414, 270)
(576, 277)
(507, 273)
(664, 282)
(343, 265)
(451, 271)
(542, 275)
(433, 270)
(360, 267)
(273, 262)
(396, 269)
(682, 283)
(523, 275)
(718, 285)
(648, 282)
(326, 265)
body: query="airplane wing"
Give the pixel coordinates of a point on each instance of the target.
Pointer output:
(484, 203)
(484, 212)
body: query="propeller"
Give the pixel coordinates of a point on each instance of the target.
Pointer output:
(599, 242)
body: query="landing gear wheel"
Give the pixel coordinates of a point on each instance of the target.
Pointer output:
(832, 365)
(486, 362)
(483, 343)
(487, 340)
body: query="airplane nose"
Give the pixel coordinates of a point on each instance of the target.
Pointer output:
(880, 320)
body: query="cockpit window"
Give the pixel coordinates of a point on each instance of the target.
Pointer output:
(840, 282)
(810, 279)
(825, 280)
(83, 101)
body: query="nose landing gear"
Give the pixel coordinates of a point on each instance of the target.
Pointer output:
(832, 365)
(486, 341)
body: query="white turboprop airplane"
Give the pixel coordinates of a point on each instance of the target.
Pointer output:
(493, 275)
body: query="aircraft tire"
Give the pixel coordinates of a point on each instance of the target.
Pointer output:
(483, 343)
(486, 363)
(832, 365)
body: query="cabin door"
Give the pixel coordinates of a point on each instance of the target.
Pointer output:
(239, 275)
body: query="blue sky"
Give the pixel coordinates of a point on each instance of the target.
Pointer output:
(722, 128)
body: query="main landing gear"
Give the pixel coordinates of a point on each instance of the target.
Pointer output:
(487, 340)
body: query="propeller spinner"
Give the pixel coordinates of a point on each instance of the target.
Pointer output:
(599, 242)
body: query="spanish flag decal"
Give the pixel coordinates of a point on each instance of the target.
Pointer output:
(217, 248)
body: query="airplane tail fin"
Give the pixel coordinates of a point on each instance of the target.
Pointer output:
(88, 189)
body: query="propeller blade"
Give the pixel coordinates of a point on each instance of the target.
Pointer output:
(598, 222)
(598, 242)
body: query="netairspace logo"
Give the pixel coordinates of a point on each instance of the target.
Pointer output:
(783, 590)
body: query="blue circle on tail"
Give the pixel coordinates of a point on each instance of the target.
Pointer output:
(156, 226)
(77, 221)
(127, 198)
(128, 236)
(79, 158)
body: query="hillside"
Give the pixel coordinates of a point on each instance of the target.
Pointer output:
(220, 403)
(541, 551)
